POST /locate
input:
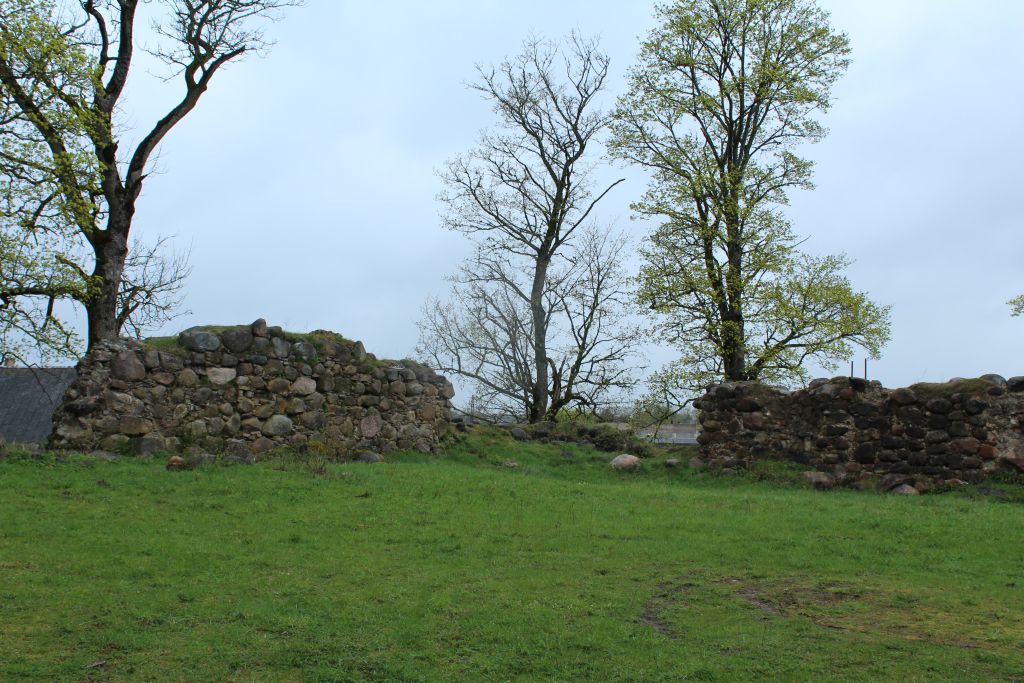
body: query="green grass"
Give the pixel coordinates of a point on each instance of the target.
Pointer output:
(169, 344)
(929, 390)
(464, 567)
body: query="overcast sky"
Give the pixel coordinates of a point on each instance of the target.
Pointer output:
(305, 185)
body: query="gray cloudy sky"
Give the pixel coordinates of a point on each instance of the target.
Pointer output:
(305, 183)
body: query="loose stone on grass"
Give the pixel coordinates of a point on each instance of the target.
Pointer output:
(820, 480)
(625, 463)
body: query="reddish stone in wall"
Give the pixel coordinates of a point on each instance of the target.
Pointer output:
(753, 421)
(711, 426)
(370, 426)
(710, 437)
(747, 405)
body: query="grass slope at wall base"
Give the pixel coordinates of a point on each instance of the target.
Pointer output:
(857, 430)
(247, 389)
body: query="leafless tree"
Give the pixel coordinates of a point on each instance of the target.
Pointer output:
(151, 288)
(526, 187)
(484, 331)
(591, 305)
(64, 67)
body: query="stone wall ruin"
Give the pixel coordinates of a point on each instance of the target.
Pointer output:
(855, 430)
(247, 389)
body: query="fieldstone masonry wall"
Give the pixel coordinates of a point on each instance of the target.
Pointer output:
(853, 429)
(245, 390)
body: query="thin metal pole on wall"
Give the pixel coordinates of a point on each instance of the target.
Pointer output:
(865, 369)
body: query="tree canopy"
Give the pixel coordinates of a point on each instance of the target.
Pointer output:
(524, 194)
(723, 95)
(70, 185)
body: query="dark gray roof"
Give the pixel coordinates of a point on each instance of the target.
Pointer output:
(28, 397)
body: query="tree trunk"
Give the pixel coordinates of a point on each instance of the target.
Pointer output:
(539, 405)
(734, 334)
(734, 355)
(110, 250)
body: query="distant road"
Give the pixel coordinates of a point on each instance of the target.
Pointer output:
(677, 434)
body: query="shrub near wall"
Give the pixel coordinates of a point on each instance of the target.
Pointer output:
(244, 390)
(853, 429)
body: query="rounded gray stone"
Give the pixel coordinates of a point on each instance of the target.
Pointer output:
(237, 339)
(280, 347)
(221, 376)
(304, 350)
(199, 340)
(277, 425)
(127, 366)
(303, 386)
(998, 380)
(259, 328)
(171, 362)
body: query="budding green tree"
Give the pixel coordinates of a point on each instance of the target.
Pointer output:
(38, 238)
(723, 95)
(71, 180)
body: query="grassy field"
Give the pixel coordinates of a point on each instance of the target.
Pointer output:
(461, 568)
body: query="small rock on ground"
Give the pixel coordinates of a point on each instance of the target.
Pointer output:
(625, 462)
(820, 480)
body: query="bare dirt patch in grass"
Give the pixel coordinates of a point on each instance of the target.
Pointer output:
(653, 614)
(843, 608)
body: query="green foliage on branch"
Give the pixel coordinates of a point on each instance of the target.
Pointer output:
(70, 180)
(43, 151)
(724, 93)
